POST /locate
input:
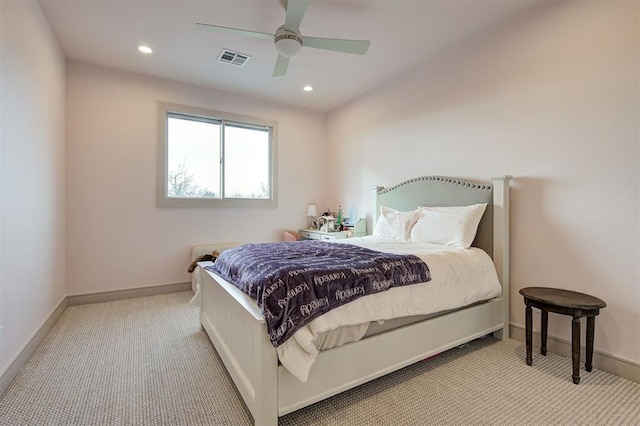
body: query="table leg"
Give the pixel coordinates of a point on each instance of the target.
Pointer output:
(529, 333)
(544, 322)
(591, 325)
(575, 349)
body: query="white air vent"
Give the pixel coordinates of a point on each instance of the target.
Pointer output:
(233, 58)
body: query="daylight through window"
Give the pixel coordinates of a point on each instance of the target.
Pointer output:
(215, 159)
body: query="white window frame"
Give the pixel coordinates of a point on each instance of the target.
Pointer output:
(163, 200)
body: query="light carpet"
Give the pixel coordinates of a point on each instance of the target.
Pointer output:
(145, 361)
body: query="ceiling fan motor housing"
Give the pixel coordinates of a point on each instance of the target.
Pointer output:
(288, 43)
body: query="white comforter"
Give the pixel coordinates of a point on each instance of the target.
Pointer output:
(459, 277)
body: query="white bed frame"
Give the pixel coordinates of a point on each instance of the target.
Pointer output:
(239, 334)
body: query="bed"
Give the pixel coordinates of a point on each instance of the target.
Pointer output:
(238, 331)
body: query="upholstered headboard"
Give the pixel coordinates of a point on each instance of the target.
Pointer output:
(442, 191)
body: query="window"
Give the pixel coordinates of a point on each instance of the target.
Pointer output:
(215, 159)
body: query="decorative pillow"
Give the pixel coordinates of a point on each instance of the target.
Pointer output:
(394, 224)
(450, 226)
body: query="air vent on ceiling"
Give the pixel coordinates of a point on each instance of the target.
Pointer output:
(233, 58)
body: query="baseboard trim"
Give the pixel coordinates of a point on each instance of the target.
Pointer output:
(606, 362)
(15, 365)
(107, 296)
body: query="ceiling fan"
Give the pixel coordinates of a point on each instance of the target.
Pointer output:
(289, 41)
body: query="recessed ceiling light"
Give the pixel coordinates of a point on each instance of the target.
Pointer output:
(307, 88)
(145, 49)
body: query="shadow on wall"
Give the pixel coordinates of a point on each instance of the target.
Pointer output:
(543, 254)
(472, 70)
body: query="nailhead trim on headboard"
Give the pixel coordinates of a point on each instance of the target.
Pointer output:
(440, 179)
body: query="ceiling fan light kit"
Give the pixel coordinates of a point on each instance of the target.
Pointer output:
(289, 41)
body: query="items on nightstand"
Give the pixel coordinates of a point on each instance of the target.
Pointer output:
(356, 228)
(312, 212)
(336, 221)
(327, 223)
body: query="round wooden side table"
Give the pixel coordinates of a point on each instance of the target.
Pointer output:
(563, 302)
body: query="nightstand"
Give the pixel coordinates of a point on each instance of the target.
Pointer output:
(314, 234)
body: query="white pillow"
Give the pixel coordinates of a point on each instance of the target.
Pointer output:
(450, 226)
(394, 224)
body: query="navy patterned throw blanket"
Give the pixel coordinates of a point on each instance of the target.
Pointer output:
(295, 282)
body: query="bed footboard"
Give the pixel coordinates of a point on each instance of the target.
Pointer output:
(348, 366)
(239, 334)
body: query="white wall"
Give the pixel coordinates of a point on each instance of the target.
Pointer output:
(553, 100)
(32, 176)
(116, 236)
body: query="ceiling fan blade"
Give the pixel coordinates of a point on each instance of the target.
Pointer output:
(254, 34)
(281, 66)
(295, 13)
(359, 47)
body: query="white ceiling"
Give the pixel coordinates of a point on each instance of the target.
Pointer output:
(403, 34)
